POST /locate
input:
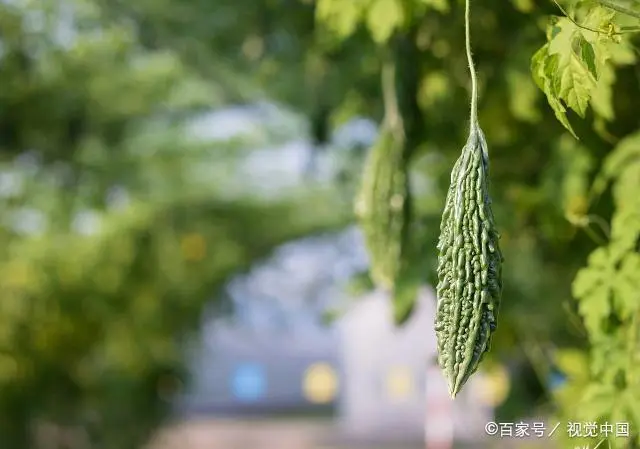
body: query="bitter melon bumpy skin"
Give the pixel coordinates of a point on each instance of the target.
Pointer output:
(469, 267)
(469, 259)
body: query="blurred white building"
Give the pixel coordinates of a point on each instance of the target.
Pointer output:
(391, 385)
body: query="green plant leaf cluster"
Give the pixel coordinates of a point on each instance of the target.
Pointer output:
(382, 18)
(608, 294)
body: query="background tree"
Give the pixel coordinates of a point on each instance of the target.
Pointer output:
(117, 224)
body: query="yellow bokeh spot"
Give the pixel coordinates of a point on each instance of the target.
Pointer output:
(576, 207)
(18, 274)
(523, 5)
(194, 247)
(9, 368)
(400, 383)
(320, 384)
(493, 386)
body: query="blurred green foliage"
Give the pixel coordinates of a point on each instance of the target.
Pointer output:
(118, 223)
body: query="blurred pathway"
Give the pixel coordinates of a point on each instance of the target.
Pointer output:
(257, 434)
(208, 433)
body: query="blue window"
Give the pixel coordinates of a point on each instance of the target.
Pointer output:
(248, 382)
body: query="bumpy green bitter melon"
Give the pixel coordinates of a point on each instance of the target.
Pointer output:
(469, 267)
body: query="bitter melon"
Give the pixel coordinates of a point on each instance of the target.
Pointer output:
(383, 206)
(469, 267)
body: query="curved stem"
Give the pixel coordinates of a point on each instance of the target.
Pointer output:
(623, 30)
(472, 69)
(572, 20)
(632, 349)
(392, 115)
(619, 8)
(604, 226)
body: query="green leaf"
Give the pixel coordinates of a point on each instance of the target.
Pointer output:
(597, 18)
(340, 17)
(608, 356)
(626, 152)
(584, 50)
(571, 77)
(626, 295)
(537, 66)
(592, 287)
(575, 87)
(383, 18)
(625, 228)
(632, 405)
(569, 69)
(543, 69)
(597, 403)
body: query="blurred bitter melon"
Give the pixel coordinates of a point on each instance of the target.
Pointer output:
(383, 206)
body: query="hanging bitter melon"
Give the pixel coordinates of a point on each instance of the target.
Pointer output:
(383, 206)
(469, 267)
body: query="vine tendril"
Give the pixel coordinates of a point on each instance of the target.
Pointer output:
(472, 68)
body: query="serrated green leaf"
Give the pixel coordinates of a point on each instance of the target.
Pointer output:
(561, 37)
(592, 288)
(537, 66)
(575, 86)
(626, 151)
(608, 356)
(383, 18)
(571, 78)
(572, 67)
(626, 292)
(598, 402)
(543, 68)
(625, 228)
(585, 52)
(621, 245)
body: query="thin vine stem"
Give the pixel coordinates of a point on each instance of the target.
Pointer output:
(584, 222)
(572, 20)
(607, 4)
(632, 349)
(472, 68)
(392, 116)
(621, 9)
